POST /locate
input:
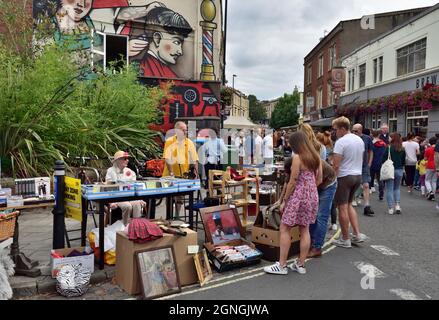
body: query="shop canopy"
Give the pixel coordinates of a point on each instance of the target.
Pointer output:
(233, 122)
(325, 122)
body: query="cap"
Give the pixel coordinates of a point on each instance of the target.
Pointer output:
(120, 154)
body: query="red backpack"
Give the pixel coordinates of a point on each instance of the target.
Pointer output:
(155, 167)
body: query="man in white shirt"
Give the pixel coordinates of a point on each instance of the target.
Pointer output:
(212, 152)
(119, 173)
(258, 159)
(268, 148)
(347, 163)
(412, 150)
(240, 145)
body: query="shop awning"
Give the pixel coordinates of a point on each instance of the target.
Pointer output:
(233, 122)
(326, 122)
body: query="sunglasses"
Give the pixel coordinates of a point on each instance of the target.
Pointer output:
(126, 159)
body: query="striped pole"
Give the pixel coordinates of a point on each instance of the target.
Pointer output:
(208, 12)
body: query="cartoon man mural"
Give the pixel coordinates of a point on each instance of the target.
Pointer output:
(165, 31)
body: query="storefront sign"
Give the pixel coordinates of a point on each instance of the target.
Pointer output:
(72, 198)
(431, 78)
(328, 112)
(338, 79)
(310, 102)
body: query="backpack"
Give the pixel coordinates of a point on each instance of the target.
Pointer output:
(155, 167)
(387, 169)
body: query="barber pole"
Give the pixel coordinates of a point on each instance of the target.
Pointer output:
(208, 12)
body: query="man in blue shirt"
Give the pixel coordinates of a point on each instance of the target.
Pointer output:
(367, 163)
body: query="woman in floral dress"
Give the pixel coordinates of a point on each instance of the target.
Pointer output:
(300, 203)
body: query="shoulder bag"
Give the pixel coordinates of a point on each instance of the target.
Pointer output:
(387, 169)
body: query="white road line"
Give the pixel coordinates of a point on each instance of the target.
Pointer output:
(385, 250)
(368, 268)
(405, 294)
(231, 281)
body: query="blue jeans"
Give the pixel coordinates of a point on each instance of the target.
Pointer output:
(393, 189)
(417, 176)
(319, 228)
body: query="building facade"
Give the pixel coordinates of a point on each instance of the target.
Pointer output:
(240, 105)
(269, 106)
(343, 39)
(394, 79)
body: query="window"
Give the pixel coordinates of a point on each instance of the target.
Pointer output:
(393, 121)
(109, 50)
(319, 97)
(412, 57)
(351, 80)
(309, 74)
(320, 66)
(417, 121)
(378, 70)
(330, 95)
(376, 120)
(332, 57)
(362, 75)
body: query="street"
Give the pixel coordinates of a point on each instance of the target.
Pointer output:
(400, 251)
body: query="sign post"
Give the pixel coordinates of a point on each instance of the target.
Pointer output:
(59, 210)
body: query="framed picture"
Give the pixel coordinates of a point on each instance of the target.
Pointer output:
(202, 265)
(158, 272)
(222, 224)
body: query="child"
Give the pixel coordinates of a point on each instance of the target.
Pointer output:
(421, 166)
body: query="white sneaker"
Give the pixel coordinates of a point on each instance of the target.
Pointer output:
(397, 209)
(334, 227)
(354, 203)
(295, 267)
(437, 207)
(372, 190)
(358, 238)
(276, 269)
(343, 243)
(390, 211)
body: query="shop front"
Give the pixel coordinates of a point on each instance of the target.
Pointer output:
(407, 105)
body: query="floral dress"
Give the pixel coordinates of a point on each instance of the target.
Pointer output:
(302, 206)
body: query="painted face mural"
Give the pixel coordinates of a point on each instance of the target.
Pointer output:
(170, 48)
(77, 9)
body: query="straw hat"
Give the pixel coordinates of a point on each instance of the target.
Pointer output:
(120, 154)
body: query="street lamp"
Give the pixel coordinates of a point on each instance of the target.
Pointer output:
(233, 82)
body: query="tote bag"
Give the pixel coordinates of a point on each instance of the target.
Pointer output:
(387, 169)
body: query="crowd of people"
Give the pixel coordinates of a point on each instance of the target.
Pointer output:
(330, 171)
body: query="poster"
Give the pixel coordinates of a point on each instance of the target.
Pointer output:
(72, 198)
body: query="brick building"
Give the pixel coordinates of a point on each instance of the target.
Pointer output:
(339, 42)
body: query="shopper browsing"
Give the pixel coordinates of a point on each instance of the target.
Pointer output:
(412, 150)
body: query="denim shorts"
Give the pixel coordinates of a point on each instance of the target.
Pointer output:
(365, 175)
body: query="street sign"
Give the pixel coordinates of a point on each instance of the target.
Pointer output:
(309, 102)
(299, 109)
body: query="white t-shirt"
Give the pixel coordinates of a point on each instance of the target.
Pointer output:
(410, 152)
(351, 148)
(114, 174)
(258, 145)
(268, 147)
(240, 145)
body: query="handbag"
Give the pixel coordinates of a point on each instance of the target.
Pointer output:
(387, 169)
(272, 217)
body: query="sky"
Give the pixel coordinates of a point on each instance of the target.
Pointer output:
(267, 40)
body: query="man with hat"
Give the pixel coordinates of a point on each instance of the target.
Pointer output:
(119, 173)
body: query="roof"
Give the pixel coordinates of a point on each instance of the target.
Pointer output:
(339, 27)
(326, 122)
(417, 17)
(234, 122)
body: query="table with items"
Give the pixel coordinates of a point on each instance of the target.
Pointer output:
(103, 194)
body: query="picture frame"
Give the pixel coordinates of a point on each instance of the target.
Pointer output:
(158, 272)
(202, 265)
(222, 224)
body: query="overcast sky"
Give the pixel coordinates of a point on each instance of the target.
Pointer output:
(267, 40)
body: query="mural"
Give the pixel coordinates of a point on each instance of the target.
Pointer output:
(187, 99)
(161, 35)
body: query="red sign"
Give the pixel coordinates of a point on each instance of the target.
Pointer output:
(338, 79)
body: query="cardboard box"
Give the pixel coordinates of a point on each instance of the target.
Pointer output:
(87, 261)
(223, 228)
(268, 241)
(126, 266)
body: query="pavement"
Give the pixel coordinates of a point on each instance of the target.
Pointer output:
(400, 256)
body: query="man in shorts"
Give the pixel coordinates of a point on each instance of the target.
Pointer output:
(347, 163)
(357, 129)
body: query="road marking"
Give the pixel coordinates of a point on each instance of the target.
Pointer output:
(209, 286)
(405, 294)
(362, 266)
(385, 250)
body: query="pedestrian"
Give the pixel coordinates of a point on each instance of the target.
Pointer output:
(378, 148)
(267, 148)
(325, 139)
(212, 152)
(240, 145)
(368, 155)
(300, 203)
(395, 151)
(347, 163)
(320, 148)
(385, 133)
(431, 176)
(411, 148)
(436, 162)
(326, 196)
(421, 167)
